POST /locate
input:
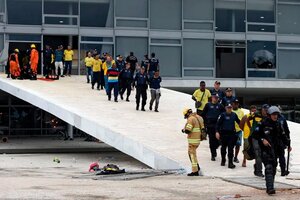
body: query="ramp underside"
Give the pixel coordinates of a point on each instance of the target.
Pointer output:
(152, 138)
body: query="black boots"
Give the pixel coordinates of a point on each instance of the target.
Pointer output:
(193, 174)
(231, 165)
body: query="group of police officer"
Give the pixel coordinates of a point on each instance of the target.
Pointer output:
(265, 141)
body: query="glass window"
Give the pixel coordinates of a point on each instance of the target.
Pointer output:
(96, 39)
(24, 12)
(199, 25)
(289, 19)
(201, 73)
(123, 8)
(61, 20)
(198, 9)
(97, 13)
(4, 98)
(165, 41)
(124, 45)
(261, 54)
(261, 11)
(69, 7)
(193, 55)
(25, 117)
(230, 59)
(1, 43)
(169, 60)
(2, 10)
(288, 64)
(132, 23)
(230, 16)
(4, 119)
(165, 14)
(23, 37)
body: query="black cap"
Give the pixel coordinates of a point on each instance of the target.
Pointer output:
(236, 101)
(228, 105)
(215, 95)
(265, 106)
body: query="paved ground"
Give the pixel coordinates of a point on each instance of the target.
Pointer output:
(36, 176)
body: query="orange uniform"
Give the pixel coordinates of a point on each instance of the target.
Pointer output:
(14, 68)
(34, 60)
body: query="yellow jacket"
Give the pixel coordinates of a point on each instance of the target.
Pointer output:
(194, 124)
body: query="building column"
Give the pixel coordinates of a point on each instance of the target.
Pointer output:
(70, 131)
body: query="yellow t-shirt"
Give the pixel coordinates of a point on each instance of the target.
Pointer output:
(247, 130)
(68, 55)
(88, 61)
(198, 95)
(105, 67)
(240, 115)
(97, 65)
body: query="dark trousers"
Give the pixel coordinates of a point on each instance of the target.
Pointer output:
(96, 79)
(68, 67)
(125, 85)
(270, 162)
(258, 160)
(281, 157)
(213, 142)
(114, 86)
(47, 68)
(228, 141)
(141, 91)
(102, 82)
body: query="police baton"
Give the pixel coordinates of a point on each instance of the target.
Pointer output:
(288, 160)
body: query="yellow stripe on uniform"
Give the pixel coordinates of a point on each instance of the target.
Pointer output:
(196, 130)
(193, 141)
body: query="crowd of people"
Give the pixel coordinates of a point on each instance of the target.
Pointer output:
(264, 133)
(102, 71)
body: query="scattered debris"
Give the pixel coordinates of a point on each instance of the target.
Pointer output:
(235, 196)
(94, 167)
(56, 160)
(110, 169)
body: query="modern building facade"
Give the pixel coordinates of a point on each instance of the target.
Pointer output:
(244, 43)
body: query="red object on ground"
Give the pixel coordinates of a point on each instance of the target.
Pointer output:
(93, 166)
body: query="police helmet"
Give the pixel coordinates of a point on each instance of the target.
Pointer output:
(273, 110)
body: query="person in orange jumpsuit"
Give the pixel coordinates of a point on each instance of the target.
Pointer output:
(14, 67)
(34, 60)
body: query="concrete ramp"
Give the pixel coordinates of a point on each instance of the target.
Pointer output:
(152, 138)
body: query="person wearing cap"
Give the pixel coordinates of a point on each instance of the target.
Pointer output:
(34, 60)
(193, 128)
(217, 90)
(58, 61)
(227, 134)
(154, 83)
(141, 83)
(126, 80)
(210, 114)
(228, 98)
(120, 63)
(239, 133)
(271, 139)
(68, 57)
(201, 96)
(257, 119)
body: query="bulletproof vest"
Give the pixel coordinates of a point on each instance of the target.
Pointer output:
(213, 112)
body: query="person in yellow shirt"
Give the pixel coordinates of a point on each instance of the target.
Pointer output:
(239, 133)
(68, 57)
(89, 64)
(97, 65)
(201, 97)
(106, 65)
(246, 127)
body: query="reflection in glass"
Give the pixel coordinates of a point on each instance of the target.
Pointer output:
(289, 64)
(123, 8)
(261, 11)
(69, 7)
(230, 16)
(289, 19)
(230, 59)
(27, 12)
(261, 54)
(97, 13)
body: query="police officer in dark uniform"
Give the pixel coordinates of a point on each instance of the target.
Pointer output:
(153, 65)
(226, 133)
(145, 63)
(210, 114)
(48, 61)
(217, 90)
(126, 80)
(228, 98)
(133, 62)
(120, 63)
(272, 139)
(141, 84)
